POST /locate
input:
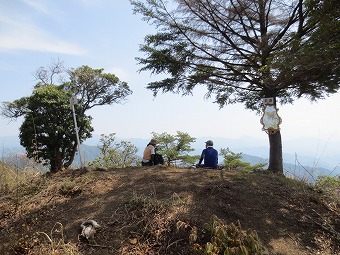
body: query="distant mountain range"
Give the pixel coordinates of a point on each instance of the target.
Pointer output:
(253, 151)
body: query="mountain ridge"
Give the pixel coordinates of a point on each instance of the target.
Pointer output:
(294, 165)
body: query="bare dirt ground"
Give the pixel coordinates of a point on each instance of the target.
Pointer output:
(139, 208)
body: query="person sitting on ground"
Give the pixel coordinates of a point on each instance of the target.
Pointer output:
(209, 155)
(149, 153)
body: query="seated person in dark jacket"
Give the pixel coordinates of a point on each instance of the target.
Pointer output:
(209, 155)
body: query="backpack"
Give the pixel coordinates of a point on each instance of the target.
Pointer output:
(159, 159)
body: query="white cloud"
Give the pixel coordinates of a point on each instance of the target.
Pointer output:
(23, 35)
(21, 29)
(39, 6)
(93, 2)
(119, 72)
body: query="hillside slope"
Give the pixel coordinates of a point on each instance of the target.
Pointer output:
(139, 208)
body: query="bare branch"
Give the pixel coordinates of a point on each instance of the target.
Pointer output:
(51, 74)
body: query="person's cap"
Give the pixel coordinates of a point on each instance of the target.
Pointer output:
(153, 141)
(209, 143)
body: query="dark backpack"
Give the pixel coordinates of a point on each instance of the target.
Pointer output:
(159, 159)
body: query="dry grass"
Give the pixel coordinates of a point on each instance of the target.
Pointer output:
(161, 211)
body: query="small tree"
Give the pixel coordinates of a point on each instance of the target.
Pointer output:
(92, 87)
(47, 132)
(175, 147)
(116, 154)
(232, 161)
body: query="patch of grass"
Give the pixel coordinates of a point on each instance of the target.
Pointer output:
(17, 185)
(328, 183)
(69, 188)
(150, 222)
(9, 178)
(41, 243)
(330, 188)
(146, 203)
(13, 179)
(229, 239)
(153, 219)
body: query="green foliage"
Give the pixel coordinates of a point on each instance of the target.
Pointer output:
(189, 160)
(175, 147)
(328, 183)
(329, 194)
(244, 51)
(47, 132)
(69, 188)
(93, 87)
(116, 154)
(146, 203)
(310, 58)
(232, 161)
(326, 15)
(230, 240)
(251, 57)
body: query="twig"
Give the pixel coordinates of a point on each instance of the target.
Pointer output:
(99, 246)
(293, 239)
(174, 242)
(46, 235)
(326, 227)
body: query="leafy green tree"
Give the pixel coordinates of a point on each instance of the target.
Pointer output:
(324, 41)
(175, 147)
(47, 131)
(242, 52)
(116, 154)
(91, 87)
(233, 161)
(311, 58)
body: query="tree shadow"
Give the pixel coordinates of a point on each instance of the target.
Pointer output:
(284, 218)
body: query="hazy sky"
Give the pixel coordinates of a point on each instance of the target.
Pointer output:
(106, 34)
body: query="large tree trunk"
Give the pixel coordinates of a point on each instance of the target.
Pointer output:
(275, 153)
(56, 164)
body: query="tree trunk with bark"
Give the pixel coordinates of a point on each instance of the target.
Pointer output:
(56, 164)
(275, 153)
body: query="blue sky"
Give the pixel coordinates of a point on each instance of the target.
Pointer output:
(106, 34)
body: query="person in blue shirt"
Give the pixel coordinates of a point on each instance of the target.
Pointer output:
(209, 155)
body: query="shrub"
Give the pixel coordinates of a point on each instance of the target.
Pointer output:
(331, 188)
(230, 240)
(116, 154)
(232, 161)
(328, 183)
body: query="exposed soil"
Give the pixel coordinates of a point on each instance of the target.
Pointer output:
(139, 208)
